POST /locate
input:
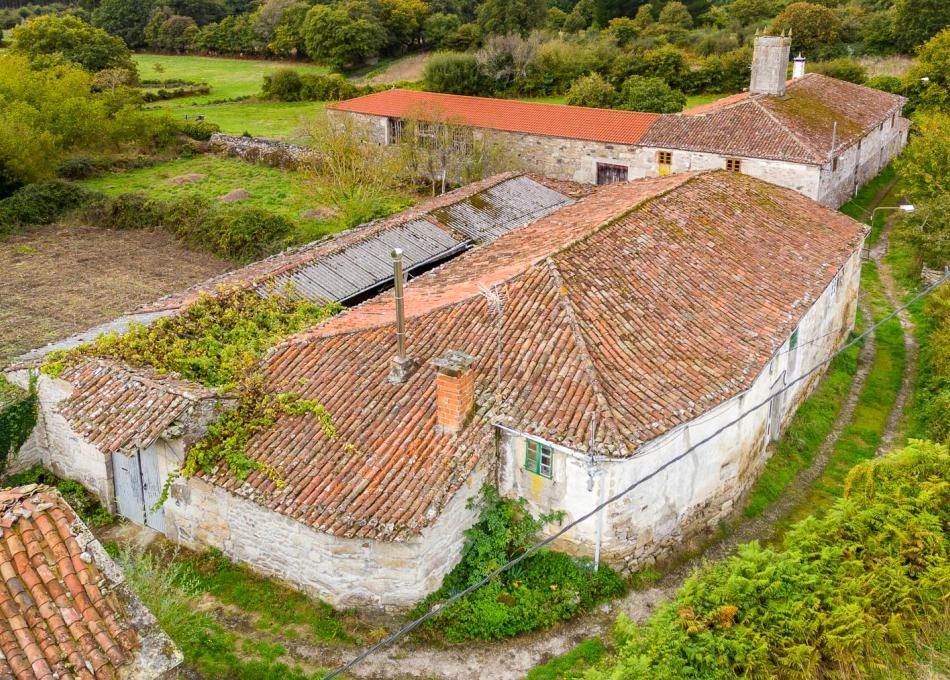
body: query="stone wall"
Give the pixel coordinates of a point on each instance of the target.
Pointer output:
(257, 150)
(345, 572)
(56, 446)
(683, 505)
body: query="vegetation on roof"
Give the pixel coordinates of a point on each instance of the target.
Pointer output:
(815, 114)
(214, 342)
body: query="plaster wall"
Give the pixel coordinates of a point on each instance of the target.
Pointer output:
(685, 503)
(346, 572)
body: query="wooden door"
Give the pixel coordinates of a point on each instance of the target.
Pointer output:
(611, 174)
(775, 408)
(138, 487)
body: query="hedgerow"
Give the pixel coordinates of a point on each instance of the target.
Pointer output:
(544, 588)
(845, 596)
(215, 341)
(934, 389)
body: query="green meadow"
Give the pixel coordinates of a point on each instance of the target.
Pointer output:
(230, 80)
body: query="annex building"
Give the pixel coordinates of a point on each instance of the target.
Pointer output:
(566, 344)
(822, 137)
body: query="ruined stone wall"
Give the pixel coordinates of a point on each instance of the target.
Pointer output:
(345, 572)
(684, 505)
(265, 151)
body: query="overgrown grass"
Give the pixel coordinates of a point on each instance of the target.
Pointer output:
(812, 423)
(861, 206)
(571, 664)
(280, 191)
(176, 589)
(861, 438)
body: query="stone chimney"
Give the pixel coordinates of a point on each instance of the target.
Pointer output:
(401, 366)
(770, 64)
(798, 66)
(454, 390)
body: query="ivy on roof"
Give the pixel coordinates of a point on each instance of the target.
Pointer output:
(214, 342)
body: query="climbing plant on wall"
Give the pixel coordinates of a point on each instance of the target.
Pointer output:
(17, 418)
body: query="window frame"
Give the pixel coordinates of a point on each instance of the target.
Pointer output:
(793, 340)
(734, 164)
(394, 130)
(535, 454)
(664, 157)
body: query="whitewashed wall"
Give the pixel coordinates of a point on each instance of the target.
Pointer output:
(685, 503)
(345, 572)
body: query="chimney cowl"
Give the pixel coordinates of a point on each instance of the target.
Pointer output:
(798, 67)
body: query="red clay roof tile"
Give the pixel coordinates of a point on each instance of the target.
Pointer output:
(37, 638)
(534, 118)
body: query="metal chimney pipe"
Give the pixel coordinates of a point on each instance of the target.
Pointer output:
(400, 311)
(401, 366)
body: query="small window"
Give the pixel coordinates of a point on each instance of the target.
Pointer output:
(539, 458)
(834, 164)
(793, 341)
(733, 165)
(396, 126)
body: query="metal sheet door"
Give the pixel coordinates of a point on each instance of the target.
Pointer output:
(151, 488)
(128, 486)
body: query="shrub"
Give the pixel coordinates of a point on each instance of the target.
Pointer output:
(842, 69)
(455, 73)
(287, 85)
(652, 95)
(890, 84)
(283, 84)
(199, 130)
(42, 203)
(124, 212)
(245, 232)
(82, 167)
(844, 597)
(544, 588)
(592, 90)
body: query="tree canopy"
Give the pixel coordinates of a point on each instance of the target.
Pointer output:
(43, 38)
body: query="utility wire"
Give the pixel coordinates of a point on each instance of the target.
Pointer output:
(613, 499)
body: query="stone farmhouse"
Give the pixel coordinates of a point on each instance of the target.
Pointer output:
(66, 611)
(580, 345)
(822, 137)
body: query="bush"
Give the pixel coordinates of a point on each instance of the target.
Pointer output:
(455, 73)
(283, 84)
(124, 212)
(592, 90)
(82, 167)
(651, 95)
(18, 411)
(844, 597)
(246, 233)
(842, 69)
(42, 203)
(544, 588)
(199, 130)
(163, 94)
(890, 84)
(287, 85)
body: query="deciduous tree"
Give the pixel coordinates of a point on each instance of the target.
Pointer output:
(816, 30)
(77, 41)
(640, 93)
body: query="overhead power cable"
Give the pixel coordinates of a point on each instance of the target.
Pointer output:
(616, 497)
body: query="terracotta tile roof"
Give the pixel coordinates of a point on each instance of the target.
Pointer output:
(116, 408)
(534, 118)
(646, 303)
(61, 616)
(795, 127)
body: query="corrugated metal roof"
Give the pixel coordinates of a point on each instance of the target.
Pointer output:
(501, 208)
(368, 263)
(442, 232)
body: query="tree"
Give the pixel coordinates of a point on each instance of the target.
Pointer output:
(403, 20)
(78, 42)
(269, 16)
(915, 21)
(667, 63)
(438, 26)
(924, 166)
(501, 17)
(816, 30)
(751, 12)
(288, 33)
(455, 73)
(651, 95)
(933, 63)
(927, 230)
(675, 14)
(593, 91)
(124, 18)
(345, 34)
(623, 30)
(202, 11)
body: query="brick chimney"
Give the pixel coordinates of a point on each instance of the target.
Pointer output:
(454, 390)
(770, 64)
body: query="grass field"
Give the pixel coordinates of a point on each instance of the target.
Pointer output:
(279, 191)
(231, 79)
